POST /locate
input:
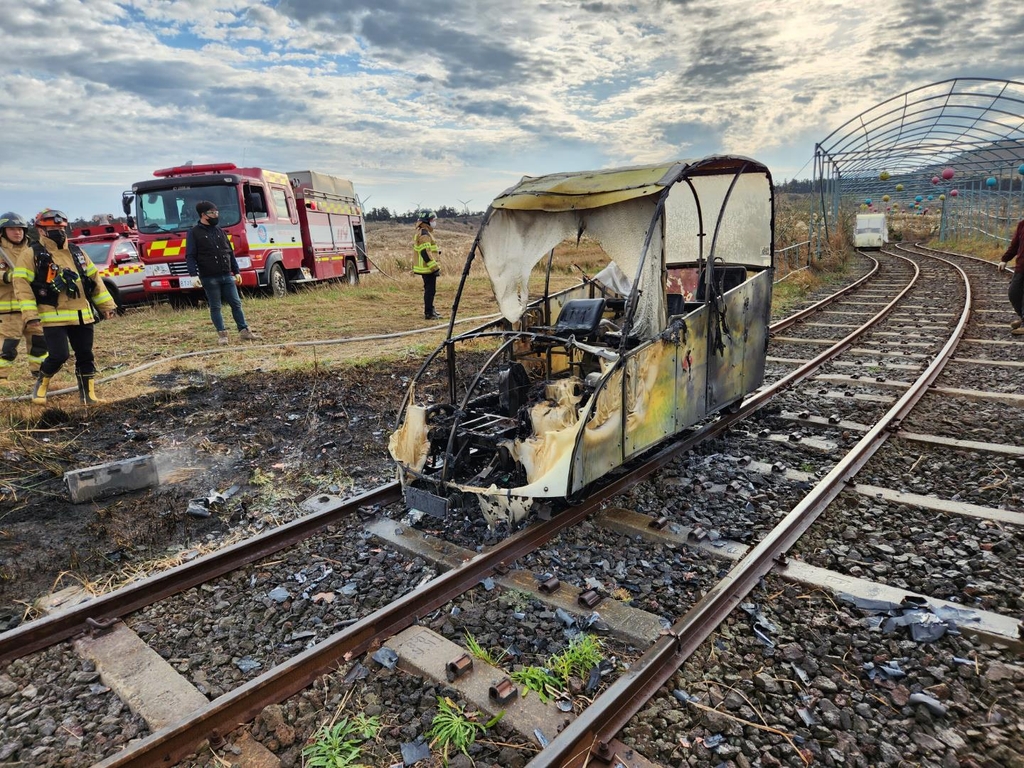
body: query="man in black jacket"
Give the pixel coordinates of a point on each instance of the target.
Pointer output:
(208, 254)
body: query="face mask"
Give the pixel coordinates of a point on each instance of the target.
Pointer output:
(58, 236)
(213, 219)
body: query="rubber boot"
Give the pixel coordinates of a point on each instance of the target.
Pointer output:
(222, 338)
(39, 390)
(87, 389)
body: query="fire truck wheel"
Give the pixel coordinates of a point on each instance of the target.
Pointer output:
(277, 283)
(351, 273)
(112, 290)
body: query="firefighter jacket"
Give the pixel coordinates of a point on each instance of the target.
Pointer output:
(208, 252)
(8, 301)
(426, 250)
(41, 298)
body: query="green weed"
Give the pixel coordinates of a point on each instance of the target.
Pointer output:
(582, 655)
(538, 680)
(454, 728)
(477, 650)
(339, 745)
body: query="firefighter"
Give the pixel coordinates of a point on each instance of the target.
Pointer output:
(57, 286)
(426, 265)
(13, 243)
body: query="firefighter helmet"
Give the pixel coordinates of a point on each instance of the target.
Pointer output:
(50, 218)
(12, 220)
(427, 215)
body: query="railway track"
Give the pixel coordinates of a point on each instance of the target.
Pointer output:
(847, 370)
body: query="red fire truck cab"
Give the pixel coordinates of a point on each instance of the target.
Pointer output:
(285, 228)
(113, 248)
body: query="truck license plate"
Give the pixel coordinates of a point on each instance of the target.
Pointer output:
(186, 282)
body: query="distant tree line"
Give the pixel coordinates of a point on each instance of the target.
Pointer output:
(796, 186)
(443, 212)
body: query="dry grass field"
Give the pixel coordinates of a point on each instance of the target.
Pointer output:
(323, 325)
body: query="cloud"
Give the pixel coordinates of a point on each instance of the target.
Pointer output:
(460, 94)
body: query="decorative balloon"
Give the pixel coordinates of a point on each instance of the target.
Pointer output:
(991, 182)
(1020, 169)
(918, 199)
(948, 174)
(931, 197)
(885, 198)
(884, 175)
(867, 201)
(899, 187)
(954, 192)
(942, 197)
(936, 179)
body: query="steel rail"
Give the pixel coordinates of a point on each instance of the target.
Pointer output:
(241, 705)
(590, 735)
(44, 632)
(807, 311)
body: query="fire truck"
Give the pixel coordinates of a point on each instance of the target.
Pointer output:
(286, 229)
(113, 248)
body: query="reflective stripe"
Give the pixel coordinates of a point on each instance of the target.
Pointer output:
(102, 297)
(24, 273)
(114, 271)
(36, 359)
(29, 305)
(6, 363)
(64, 316)
(6, 307)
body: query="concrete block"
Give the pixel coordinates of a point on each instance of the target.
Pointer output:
(140, 677)
(425, 653)
(112, 478)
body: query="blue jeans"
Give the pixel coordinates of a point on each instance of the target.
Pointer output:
(221, 289)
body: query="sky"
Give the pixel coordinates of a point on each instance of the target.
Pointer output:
(424, 103)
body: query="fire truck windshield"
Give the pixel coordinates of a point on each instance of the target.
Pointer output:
(98, 252)
(174, 209)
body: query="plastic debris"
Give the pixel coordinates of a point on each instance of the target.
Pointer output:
(358, 672)
(593, 680)
(802, 674)
(541, 738)
(684, 697)
(934, 705)
(518, 615)
(713, 741)
(564, 705)
(247, 664)
(565, 617)
(596, 623)
(349, 589)
(386, 657)
(414, 751)
(279, 595)
(487, 584)
(807, 717)
(926, 622)
(925, 626)
(456, 611)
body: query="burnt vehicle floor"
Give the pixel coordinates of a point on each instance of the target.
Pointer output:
(281, 437)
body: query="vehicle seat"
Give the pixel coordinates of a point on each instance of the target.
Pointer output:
(729, 276)
(579, 317)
